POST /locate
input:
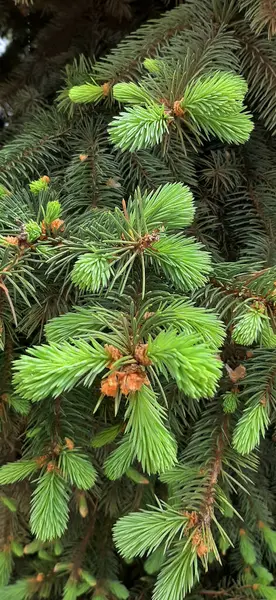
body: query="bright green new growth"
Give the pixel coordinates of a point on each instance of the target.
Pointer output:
(39, 185)
(262, 574)
(247, 548)
(183, 261)
(210, 106)
(143, 532)
(250, 325)
(49, 507)
(178, 575)
(139, 127)
(9, 503)
(119, 461)
(230, 402)
(118, 589)
(144, 232)
(251, 426)
(6, 565)
(134, 377)
(88, 92)
(50, 499)
(171, 206)
(155, 561)
(47, 370)
(17, 471)
(186, 350)
(91, 272)
(3, 191)
(21, 590)
(214, 106)
(106, 436)
(151, 64)
(77, 469)
(267, 592)
(144, 414)
(17, 549)
(194, 367)
(33, 231)
(131, 93)
(269, 536)
(53, 211)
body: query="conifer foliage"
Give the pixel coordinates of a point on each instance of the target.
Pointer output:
(137, 319)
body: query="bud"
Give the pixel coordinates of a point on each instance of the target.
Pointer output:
(33, 547)
(57, 226)
(9, 503)
(11, 240)
(44, 555)
(53, 211)
(51, 467)
(177, 109)
(113, 183)
(63, 567)
(17, 549)
(106, 88)
(58, 548)
(39, 184)
(88, 92)
(83, 508)
(69, 444)
(33, 231)
(136, 476)
(152, 65)
(230, 402)
(85, 576)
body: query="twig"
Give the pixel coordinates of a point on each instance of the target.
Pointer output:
(224, 592)
(6, 291)
(125, 209)
(84, 543)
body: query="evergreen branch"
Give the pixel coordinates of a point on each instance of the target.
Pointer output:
(80, 324)
(146, 42)
(76, 468)
(17, 471)
(258, 65)
(119, 461)
(47, 370)
(182, 260)
(214, 105)
(143, 531)
(49, 507)
(152, 443)
(184, 316)
(81, 549)
(195, 369)
(260, 399)
(234, 590)
(170, 206)
(207, 508)
(138, 127)
(30, 151)
(178, 574)
(21, 590)
(261, 15)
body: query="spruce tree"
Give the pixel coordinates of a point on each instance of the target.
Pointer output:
(138, 336)
(42, 36)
